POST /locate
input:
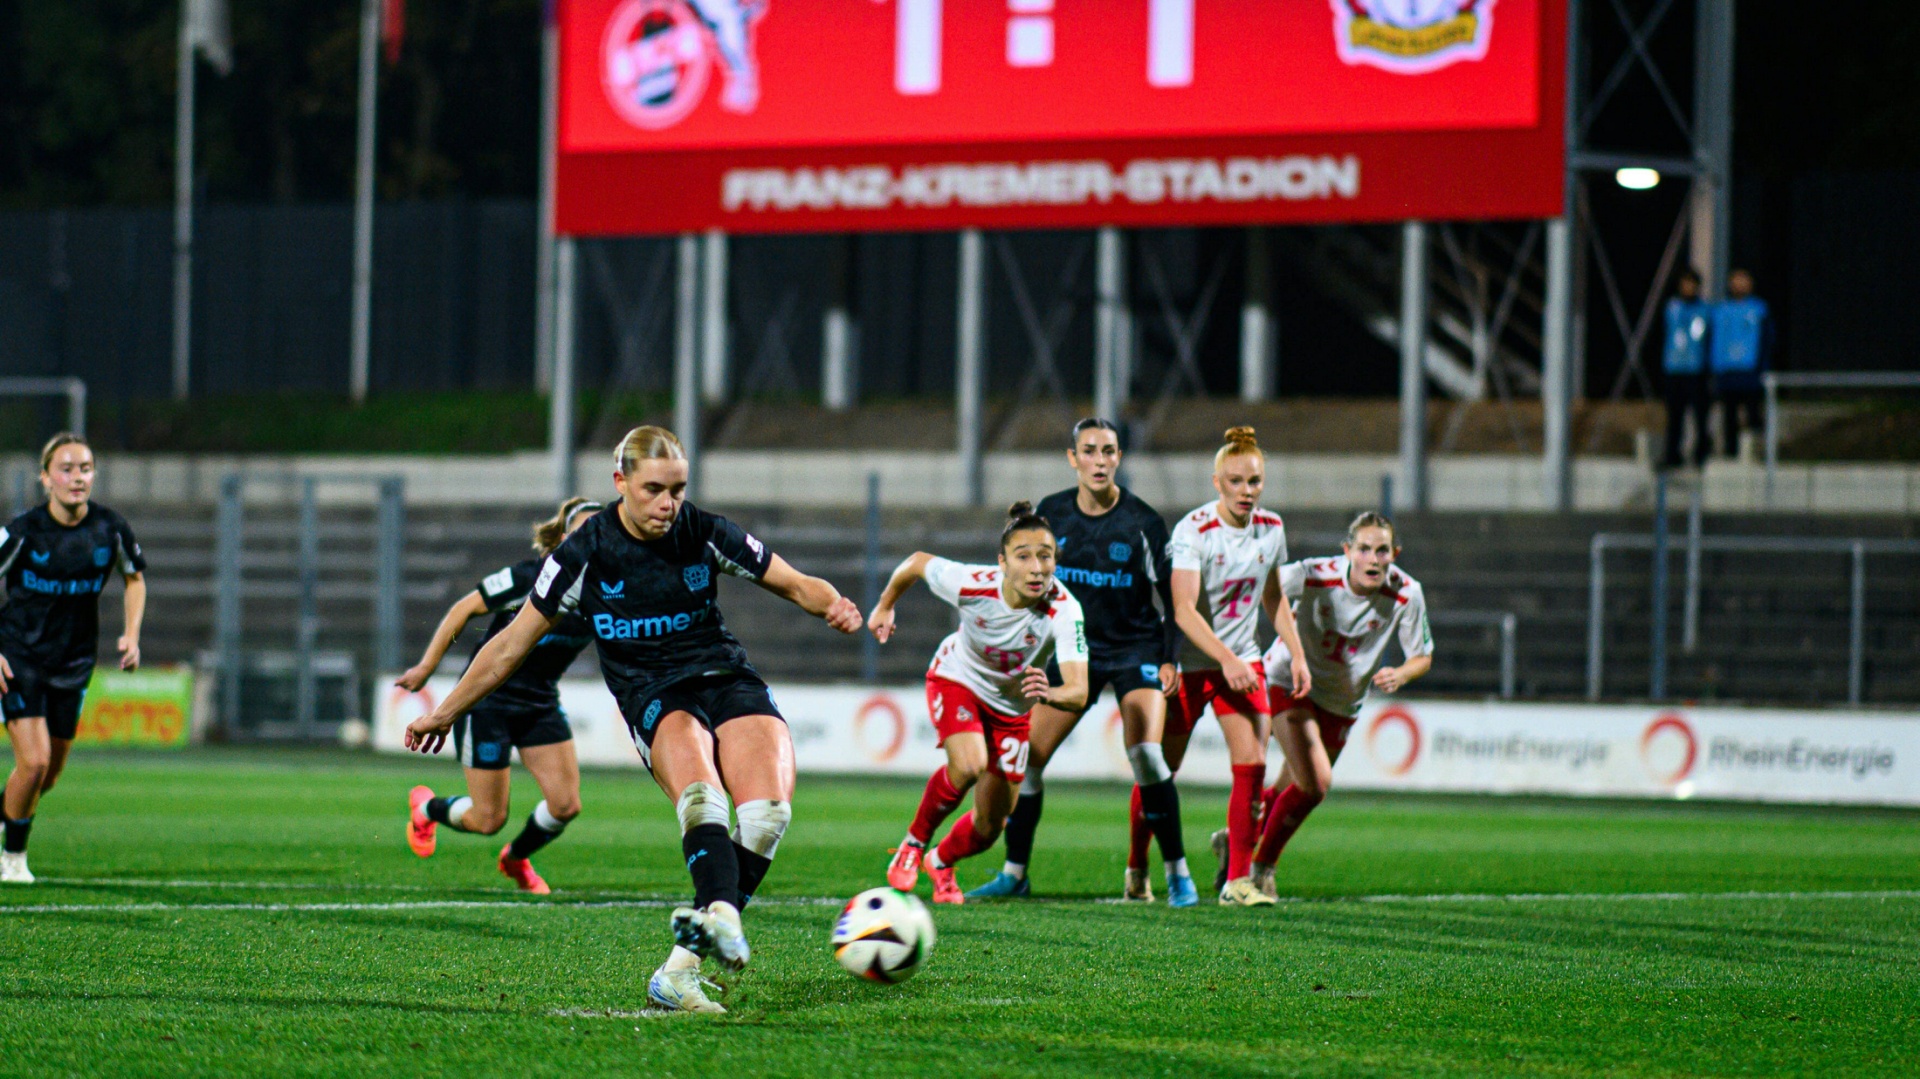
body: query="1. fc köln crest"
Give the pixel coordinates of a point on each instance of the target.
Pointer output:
(1411, 37)
(657, 56)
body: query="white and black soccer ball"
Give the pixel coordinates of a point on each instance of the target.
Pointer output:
(883, 935)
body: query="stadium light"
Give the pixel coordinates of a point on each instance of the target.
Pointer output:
(1637, 179)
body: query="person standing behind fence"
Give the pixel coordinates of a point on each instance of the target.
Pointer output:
(1740, 352)
(1683, 362)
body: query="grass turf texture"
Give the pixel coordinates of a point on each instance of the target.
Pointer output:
(153, 983)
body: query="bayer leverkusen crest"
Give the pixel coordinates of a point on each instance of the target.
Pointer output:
(1411, 37)
(657, 56)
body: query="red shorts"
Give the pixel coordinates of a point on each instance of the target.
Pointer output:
(955, 709)
(1201, 688)
(1279, 700)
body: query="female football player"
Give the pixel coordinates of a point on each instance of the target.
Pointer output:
(524, 714)
(1113, 558)
(57, 558)
(643, 574)
(1228, 552)
(1348, 608)
(982, 685)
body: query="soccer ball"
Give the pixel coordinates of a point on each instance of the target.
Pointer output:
(883, 935)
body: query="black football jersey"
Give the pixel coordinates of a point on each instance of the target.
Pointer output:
(1113, 564)
(535, 686)
(54, 576)
(652, 605)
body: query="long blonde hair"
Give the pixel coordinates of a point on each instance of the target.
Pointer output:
(1240, 441)
(647, 443)
(547, 534)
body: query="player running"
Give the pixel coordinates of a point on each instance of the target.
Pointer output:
(524, 714)
(642, 573)
(57, 558)
(984, 680)
(1113, 558)
(1227, 552)
(1348, 608)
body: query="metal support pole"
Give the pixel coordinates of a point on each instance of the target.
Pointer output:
(1657, 679)
(1509, 659)
(1386, 495)
(686, 353)
(362, 339)
(77, 406)
(870, 581)
(714, 373)
(837, 391)
(1690, 624)
(307, 620)
(1109, 324)
(390, 527)
(1712, 238)
(1256, 322)
(183, 211)
(1556, 385)
(1413, 351)
(1857, 627)
(1772, 385)
(560, 402)
(543, 265)
(969, 361)
(1596, 614)
(229, 543)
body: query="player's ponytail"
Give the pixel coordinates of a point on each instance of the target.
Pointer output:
(1240, 442)
(64, 438)
(647, 443)
(1372, 519)
(1021, 518)
(547, 534)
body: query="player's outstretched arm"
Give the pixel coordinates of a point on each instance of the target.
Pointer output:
(135, 609)
(814, 595)
(494, 664)
(1392, 679)
(1186, 611)
(465, 609)
(912, 569)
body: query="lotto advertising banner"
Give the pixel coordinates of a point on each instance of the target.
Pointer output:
(829, 115)
(149, 709)
(1738, 754)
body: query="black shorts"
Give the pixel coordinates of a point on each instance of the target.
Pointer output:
(28, 695)
(1125, 672)
(710, 699)
(486, 737)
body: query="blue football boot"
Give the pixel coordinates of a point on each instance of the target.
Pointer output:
(1003, 886)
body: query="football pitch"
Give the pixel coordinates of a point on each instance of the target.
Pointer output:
(258, 912)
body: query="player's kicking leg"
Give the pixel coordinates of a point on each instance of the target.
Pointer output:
(946, 788)
(557, 770)
(973, 833)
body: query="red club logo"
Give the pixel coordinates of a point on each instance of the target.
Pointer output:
(1668, 747)
(1398, 760)
(654, 62)
(890, 735)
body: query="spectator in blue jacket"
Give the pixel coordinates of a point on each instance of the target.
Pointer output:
(1739, 351)
(1683, 360)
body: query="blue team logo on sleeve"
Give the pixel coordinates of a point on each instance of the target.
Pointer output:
(1119, 552)
(697, 577)
(102, 555)
(650, 716)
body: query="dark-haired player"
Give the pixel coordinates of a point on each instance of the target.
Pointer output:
(1113, 558)
(524, 714)
(644, 573)
(57, 558)
(983, 682)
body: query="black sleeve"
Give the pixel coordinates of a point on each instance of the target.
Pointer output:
(556, 591)
(1157, 540)
(129, 559)
(508, 585)
(732, 548)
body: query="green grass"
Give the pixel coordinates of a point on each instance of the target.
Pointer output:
(129, 978)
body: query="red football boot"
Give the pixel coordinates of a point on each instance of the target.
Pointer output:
(420, 827)
(521, 872)
(904, 871)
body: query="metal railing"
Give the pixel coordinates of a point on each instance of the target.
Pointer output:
(1857, 548)
(1509, 626)
(73, 389)
(1773, 381)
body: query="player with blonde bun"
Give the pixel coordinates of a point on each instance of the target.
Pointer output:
(1349, 608)
(982, 685)
(1224, 555)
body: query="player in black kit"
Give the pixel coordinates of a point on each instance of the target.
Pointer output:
(56, 560)
(644, 574)
(524, 714)
(1113, 558)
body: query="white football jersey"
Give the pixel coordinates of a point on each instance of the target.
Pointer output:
(1345, 633)
(995, 642)
(1234, 564)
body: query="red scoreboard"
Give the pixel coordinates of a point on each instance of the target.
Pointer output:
(832, 115)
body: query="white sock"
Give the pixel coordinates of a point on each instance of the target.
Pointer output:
(457, 809)
(1015, 870)
(933, 859)
(681, 959)
(547, 822)
(1177, 868)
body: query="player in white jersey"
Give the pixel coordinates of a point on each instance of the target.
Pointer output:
(1349, 610)
(1225, 554)
(982, 685)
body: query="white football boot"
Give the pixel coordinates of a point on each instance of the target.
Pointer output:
(1263, 881)
(713, 933)
(13, 868)
(682, 990)
(1240, 892)
(1137, 889)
